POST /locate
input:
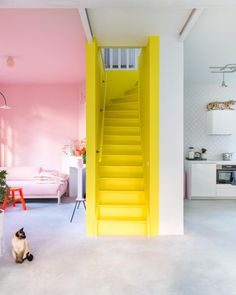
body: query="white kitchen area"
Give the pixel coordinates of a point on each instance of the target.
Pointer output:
(211, 180)
(210, 112)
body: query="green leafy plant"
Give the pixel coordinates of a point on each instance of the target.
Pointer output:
(4, 189)
(84, 157)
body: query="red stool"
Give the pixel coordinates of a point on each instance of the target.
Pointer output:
(15, 199)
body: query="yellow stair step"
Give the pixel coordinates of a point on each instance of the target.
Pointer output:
(114, 227)
(122, 139)
(121, 211)
(132, 91)
(121, 184)
(123, 106)
(124, 130)
(114, 197)
(125, 98)
(121, 171)
(118, 149)
(122, 122)
(122, 114)
(122, 160)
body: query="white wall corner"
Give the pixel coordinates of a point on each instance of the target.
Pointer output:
(86, 24)
(190, 23)
(171, 137)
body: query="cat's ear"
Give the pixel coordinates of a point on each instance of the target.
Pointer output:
(22, 229)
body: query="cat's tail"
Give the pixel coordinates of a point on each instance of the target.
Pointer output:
(29, 257)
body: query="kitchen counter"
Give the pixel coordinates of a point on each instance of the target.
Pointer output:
(202, 180)
(217, 162)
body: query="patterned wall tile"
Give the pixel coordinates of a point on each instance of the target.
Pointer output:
(196, 97)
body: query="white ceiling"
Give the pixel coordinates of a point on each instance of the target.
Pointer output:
(130, 27)
(212, 42)
(115, 3)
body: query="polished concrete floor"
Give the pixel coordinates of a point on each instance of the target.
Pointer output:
(202, 262)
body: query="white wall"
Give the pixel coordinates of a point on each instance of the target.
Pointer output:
(196, 97)
(171, 136)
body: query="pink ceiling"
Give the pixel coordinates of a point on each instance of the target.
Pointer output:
(48, 46)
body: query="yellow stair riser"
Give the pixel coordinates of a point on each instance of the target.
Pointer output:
(122, 139)
(123, 106)
(122, 160)
(121, 171)
(122, 122)
(119, 211)
(121, 184)
(122, 149)
(123, 228)
(122, 114)
(117, 197)
(111, 130)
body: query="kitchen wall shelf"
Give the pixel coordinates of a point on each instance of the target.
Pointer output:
(221, 122)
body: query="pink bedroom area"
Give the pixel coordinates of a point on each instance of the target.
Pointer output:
(42, 78)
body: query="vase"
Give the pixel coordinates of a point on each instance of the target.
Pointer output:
(204, 156)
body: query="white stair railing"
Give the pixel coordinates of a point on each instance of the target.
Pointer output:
(120, 58)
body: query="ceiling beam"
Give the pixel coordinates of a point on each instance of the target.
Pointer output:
(86, 24)
(189, 24)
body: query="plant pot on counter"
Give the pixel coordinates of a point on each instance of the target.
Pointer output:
(204, 156)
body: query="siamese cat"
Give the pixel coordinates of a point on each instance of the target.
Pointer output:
(20, 247)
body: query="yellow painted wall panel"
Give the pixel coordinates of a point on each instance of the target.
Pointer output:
(149, 115)
(95, 75)
(120, 81)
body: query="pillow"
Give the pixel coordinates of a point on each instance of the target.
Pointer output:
(22, 173)
(53, 174)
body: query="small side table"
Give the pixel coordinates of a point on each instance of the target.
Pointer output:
(77, 204)
(14, 199)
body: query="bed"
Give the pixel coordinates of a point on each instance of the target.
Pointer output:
(38, 183)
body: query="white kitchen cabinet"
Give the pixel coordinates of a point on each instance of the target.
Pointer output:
(225, 191)
(201, 180)
(221, 122)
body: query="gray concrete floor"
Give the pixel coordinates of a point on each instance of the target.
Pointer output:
(202, 262)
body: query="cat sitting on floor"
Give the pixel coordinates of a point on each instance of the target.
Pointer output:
(20, 247)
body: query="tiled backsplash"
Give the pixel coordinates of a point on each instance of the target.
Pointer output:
(196, 97)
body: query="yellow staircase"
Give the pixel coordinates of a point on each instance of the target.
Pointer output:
(121, 202)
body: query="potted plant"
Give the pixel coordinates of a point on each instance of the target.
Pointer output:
(204, 155)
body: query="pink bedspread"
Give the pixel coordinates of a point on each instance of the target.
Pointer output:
(32, 188)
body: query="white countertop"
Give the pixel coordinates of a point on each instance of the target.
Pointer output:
(218, 162)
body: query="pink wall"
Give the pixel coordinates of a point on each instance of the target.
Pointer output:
(42, 120)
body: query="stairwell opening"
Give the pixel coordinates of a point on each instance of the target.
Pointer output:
(120, 58)
(122, 140)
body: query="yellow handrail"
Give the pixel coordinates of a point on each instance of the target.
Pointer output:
(103, 119)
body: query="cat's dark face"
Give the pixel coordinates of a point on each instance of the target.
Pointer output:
(20, 234)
